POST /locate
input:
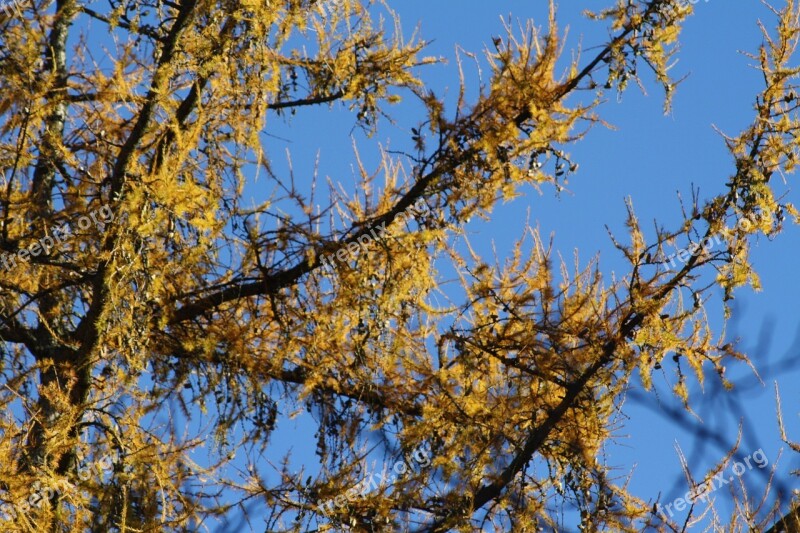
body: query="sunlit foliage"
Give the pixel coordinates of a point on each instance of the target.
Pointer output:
(190, 294)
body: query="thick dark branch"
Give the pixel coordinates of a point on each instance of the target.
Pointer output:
(168, 52)
(371, 396)
(188, 105)
(94, 97)
(587, 70)
(13, 331)
(141, 30)
(276, 281)
(312, 100)
(273, 283)
(535, 440)
(363, 395)
(788, 523)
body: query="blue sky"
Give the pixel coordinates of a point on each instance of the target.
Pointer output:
(648, 156)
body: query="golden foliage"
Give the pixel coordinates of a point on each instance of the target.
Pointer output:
(191, 310)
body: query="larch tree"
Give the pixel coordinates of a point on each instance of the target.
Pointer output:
(150, 299)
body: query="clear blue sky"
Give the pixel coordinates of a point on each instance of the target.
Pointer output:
(649, 156)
